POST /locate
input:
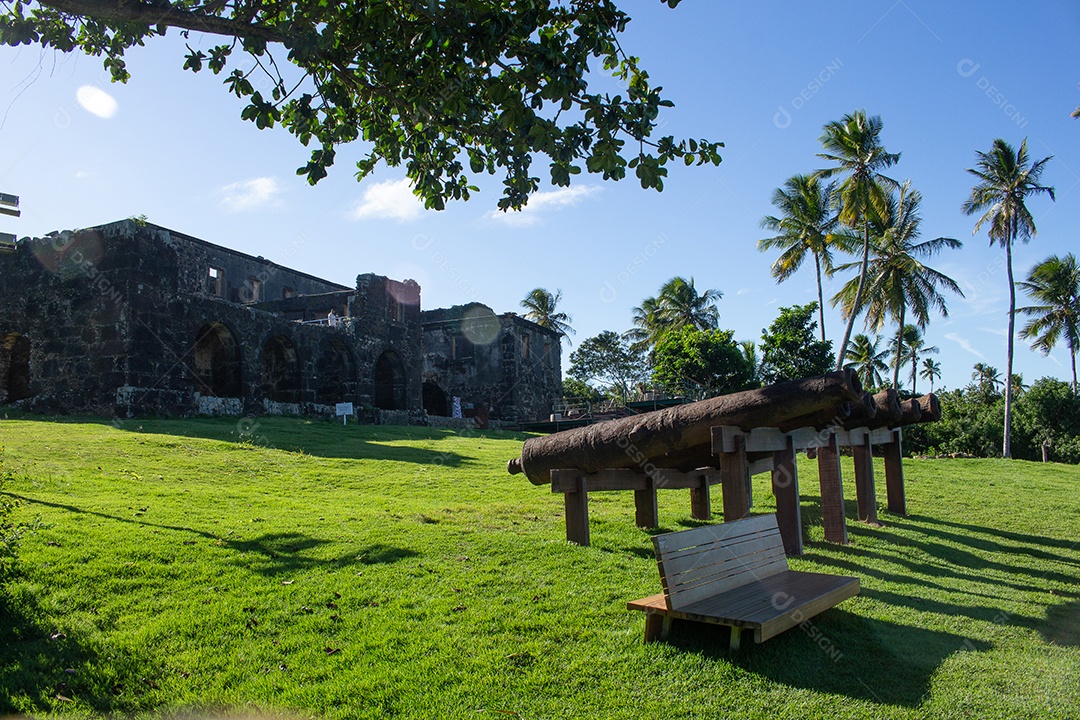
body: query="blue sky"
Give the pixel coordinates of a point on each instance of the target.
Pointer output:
(764, 77)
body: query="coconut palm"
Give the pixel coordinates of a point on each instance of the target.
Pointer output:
(1006, 179)
(867, 360)
(1055, 285)
(677, 305)
(542, 310)
(931, 370)
(854, 144)
(896, 280)
(806, 225)
(986, 376)
(908, 345)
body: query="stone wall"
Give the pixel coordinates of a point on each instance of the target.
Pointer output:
(502, 363)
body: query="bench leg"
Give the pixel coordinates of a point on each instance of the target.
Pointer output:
(736, 633)
(653, 627)
(666, 629)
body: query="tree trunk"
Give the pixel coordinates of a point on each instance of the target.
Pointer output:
(858, 294)
(1072, 356)
(1006, 450)
(659, 439)
(821, 300)
(914, 370)
(899, 349)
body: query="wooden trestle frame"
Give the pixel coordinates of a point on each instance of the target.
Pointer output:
(733, 472)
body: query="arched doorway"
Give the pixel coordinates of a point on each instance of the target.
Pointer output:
(15, 367)
(280, 370)
(435, 400)
(389, 382)
(217, 361)
(336, 374)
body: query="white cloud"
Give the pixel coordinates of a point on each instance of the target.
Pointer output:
(542, 202)
(963, 342)
(249, 194)
(96, 101)
(743, 291)
(390, 200)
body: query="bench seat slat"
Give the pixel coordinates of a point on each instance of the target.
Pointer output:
(693, 585)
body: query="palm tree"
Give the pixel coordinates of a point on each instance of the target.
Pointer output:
(1055, 285)
(896, 280)
(986, 376)
(806, 226)
(677, 305)
(867, 360)
(931, 370)
(541, 306)
(907, 345)
(1006, 179)
(854, 144)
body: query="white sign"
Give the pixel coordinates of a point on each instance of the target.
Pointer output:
(344, 408)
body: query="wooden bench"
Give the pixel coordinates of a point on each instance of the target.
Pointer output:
(736, 574)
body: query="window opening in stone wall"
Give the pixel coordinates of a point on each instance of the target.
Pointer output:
(215, 281)
(287, 292)
(14, 367)
(524, 347)
(217, 361)
(253, 290)
(461, 348)
(280, 370)
(547, 354)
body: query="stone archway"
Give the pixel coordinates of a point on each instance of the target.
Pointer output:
(218, 361)
(336, 374)
(14, 368)
(280, 379)
(389, 382)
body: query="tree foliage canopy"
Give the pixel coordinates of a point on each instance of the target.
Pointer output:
(609, 360)
(706, 362)
(428, 85)
(789, 350)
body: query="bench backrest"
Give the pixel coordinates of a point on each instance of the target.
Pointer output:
(699, 563)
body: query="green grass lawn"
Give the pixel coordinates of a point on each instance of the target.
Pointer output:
(314, 570)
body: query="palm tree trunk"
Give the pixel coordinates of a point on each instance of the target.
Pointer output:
(899, 348)
(1072, 355)
(1006, 449)
(820, 297)
(858, 294)
(914, 372)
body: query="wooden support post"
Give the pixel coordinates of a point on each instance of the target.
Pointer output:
(865, 495)
(736, 633)
(735, 480)
(832, 492)
(654, 627)
(646, 513)
(700, 502)
(576, 504)
(894, 475)
(785, 485)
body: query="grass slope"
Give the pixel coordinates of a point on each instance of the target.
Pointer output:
(281, 565)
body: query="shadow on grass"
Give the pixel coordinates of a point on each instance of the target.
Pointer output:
(269, 554)
(839, 652)
(43, 669)
(318, 438)
(1062, 625)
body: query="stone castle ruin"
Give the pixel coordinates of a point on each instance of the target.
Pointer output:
(131, 319)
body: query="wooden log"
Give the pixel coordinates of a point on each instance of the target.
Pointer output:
(912, 412)
(643, 440)
(888, 412)
(930, 409)
(826, 417)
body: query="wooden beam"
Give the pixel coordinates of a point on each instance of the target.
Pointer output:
(735, 479)
(646, 512)
(894, 475)
(785, 485)
(865, 496)
(700, 502)
(832, 493)
(576, 505)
